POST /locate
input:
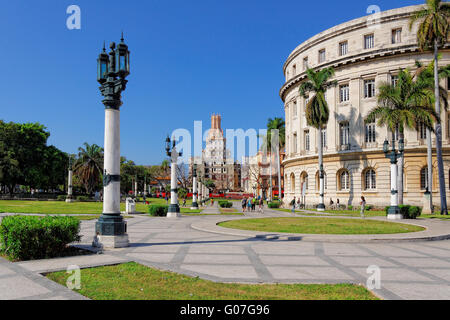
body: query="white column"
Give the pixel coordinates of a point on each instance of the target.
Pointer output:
(69, 187)
(173, 183)
(200, 195)
(394, 196)
(135, 188)
(111, 193)
(194, 191)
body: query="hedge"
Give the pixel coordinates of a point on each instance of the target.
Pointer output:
(225, 204)
(408, 212)
(83, 198)
(30, 237)
(157, 210)
(274, 205)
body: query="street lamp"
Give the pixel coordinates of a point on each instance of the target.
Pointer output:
(174, 208)
(69, 198)
(394, 155)
(112, 70)
(194, 188)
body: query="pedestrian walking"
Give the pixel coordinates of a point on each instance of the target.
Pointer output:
(293, 205)
(244, 204)
(363, 207)
(261, 205)
(249, 205)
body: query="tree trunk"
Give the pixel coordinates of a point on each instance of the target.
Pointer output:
(430, 167)
(400, 166)
(442, 188)
(270, 174)
(279, 172)
(321, 205)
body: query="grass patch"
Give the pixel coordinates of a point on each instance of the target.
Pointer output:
(435, 216)
(132, 281)
(321, 226)
(61, 207)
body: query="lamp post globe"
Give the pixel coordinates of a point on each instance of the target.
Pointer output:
(111, 229)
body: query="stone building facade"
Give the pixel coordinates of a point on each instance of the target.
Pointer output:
(363, 55)
(216, 163)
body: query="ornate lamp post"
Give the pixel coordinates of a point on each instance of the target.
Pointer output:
(69, 198)
(393, 155)
(111, 229)
(194, 188)
(174, 208)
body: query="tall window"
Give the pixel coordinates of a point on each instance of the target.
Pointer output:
(307, 141)
(370, 136)
(424, 178)
(322, 55)
(294, 106)
(324, 137)
(370, 180)
(396, 36)
(294, 70)
(325, 181)
(369, 41)
(343, 48)
(344, 180)
(394, 81)
(295, 143)
(369, 88)
(344, 133)
(422, 131)
(292, 182)
(344, 93)
(305, 63)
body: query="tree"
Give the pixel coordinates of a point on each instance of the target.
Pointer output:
(425, 73)
(22, 149)
(402, 106)
(318, 112)
(273, 126)
(89, 166)
(433, 33)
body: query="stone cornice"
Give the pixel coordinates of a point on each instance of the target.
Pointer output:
(359, 23)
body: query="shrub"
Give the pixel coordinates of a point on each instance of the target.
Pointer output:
(408, 212)
(29, 237)
(274, 205)
(225, 204)
(350, 208)
(61, 198)
(157, 210)
(83, 198)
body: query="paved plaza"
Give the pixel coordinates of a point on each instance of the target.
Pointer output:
(409, 270)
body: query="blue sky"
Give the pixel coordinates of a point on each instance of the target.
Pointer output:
(188, 59)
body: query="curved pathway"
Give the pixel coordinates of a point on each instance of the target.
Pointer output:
(418, 270)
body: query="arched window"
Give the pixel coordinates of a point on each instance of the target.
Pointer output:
(370, 180)
(292, 182)
(344, 180)
(424, 178)
(304, 181)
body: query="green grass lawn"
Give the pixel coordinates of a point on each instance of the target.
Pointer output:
(320, 226)
(61, 207)
(435, 216)
(132, 281)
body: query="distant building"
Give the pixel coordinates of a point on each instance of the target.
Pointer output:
(215, 163)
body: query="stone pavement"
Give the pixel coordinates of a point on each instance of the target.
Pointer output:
(418, 270)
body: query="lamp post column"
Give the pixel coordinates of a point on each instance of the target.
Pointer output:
(174, 208)
(111, 229)
(70, 185)
(194, 189)
(394, 211)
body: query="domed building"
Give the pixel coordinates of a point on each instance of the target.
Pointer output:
(363, 53)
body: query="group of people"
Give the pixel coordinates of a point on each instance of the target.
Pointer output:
(297, 204)
(251, 203)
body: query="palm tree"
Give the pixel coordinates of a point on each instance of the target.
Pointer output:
(433, 33)
(318, 112)
(277, 125)
(425, 73)
(402, 106)
(89, 166)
